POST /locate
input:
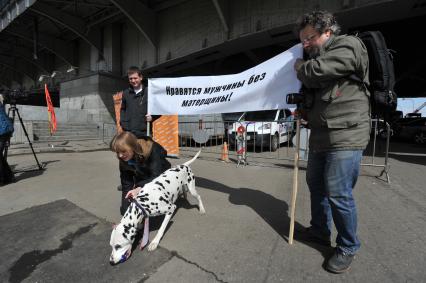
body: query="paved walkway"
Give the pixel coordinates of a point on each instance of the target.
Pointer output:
(59, 146)
(242, 238)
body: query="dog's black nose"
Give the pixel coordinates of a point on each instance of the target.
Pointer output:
(112, 263)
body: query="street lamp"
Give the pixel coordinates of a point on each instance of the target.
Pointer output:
(77, 70)
(42, 77)
(72, 69)
(50, 77)
(54, 74)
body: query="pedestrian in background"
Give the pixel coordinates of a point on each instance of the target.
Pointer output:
(338, 114)
(6, 131)
(134, 114)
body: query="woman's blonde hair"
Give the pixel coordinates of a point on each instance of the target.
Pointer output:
(126, 141)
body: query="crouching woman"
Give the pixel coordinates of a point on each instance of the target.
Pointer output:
(141, 161)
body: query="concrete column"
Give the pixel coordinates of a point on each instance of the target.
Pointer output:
(116, 49)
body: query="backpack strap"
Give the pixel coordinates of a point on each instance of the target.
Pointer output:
(356, 77)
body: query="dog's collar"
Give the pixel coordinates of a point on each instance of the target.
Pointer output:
(145, 237)
(139, 206)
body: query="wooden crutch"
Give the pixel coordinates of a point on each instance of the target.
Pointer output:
(295, 183)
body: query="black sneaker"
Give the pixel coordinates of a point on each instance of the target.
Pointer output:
(310, 235)
(340, 262)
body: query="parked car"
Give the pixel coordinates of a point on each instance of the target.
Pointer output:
(413, 129)
(267, 128)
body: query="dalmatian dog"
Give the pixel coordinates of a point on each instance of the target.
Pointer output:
(155, 198)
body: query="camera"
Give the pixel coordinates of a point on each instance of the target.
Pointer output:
(14, 96)
(34, 97)
(295, 98)
(303, 99)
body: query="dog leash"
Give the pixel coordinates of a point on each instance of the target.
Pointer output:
(145, 237)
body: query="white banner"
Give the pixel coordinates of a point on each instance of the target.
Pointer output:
(263, 87)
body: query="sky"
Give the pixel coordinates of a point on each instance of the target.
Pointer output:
(408, 105)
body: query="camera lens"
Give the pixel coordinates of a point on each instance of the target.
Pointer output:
(292, 98)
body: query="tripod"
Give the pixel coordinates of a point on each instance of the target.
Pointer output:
(15, 111)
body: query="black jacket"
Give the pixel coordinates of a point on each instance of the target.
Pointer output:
(144, 171)
(134, 108)
(339, 117)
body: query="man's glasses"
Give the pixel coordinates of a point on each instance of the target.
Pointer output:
(309, 38)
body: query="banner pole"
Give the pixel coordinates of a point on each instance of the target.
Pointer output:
(148, 129)
(295, 183)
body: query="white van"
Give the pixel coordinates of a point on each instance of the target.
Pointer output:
(267, 128)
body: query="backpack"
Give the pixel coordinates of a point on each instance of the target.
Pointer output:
(6, 124)
(383, 98)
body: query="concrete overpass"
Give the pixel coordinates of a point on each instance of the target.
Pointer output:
(89, 44)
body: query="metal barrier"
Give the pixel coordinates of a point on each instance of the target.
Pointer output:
(108, 131)
(259, 143)
(264, 142)
(382, 129)
(262, 146)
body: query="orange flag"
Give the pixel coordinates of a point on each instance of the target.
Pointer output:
(50, 111)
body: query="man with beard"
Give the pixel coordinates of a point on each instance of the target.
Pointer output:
(338, 114)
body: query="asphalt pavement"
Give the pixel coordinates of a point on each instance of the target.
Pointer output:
(55, 223)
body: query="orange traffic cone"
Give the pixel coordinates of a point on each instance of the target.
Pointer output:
(225, 156)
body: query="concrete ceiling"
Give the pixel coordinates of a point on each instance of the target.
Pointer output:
(59, 22)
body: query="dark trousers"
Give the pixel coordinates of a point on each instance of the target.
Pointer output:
(127, 179)
(6, 174)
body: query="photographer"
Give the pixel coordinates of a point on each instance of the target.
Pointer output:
(6, 131)
(337, 110)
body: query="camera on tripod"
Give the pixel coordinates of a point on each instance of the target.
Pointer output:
(14, 96)
(34, 97)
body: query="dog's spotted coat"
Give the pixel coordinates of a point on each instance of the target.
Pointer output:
(156, 198)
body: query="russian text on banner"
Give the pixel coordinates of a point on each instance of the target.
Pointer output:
(262, 87)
